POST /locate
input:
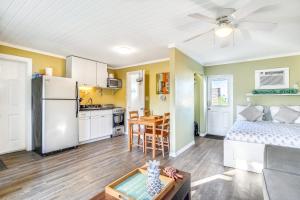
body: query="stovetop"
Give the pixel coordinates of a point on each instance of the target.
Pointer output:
(97, 107)
(118, 110)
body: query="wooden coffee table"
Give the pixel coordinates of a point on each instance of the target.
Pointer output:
(180, 191)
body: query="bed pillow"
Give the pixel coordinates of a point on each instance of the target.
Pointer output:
(240, 108)
(297, 121)
(251, 113)
(286, 115)
(274, 110)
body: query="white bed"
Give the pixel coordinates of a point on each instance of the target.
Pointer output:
(244, 143)
(265, 132)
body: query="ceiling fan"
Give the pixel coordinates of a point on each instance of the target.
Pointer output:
(228, 20)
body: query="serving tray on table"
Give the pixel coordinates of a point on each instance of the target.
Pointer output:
(133, 186)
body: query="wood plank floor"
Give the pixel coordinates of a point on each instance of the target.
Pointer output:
(83, 172)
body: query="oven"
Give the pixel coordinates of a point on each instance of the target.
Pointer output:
(118, 121)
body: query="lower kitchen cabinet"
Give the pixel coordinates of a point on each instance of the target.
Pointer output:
(84, 125)
(95, 125)
(106, 124)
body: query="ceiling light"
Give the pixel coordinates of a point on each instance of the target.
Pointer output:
(223, 30)
(125, 50)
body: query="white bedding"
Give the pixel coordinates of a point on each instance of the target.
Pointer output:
(264, 132)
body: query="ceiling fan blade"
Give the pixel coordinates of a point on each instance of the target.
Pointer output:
(225, 42)
(198, 35)
(203, 18)
(209, 7)
(250, 8)
(260, 26)
(245, 34)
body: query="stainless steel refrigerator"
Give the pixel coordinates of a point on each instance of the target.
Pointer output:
(55, 106)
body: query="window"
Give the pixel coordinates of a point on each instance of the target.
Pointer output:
(219, 92)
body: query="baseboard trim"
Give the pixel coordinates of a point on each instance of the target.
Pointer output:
(183, 149)
(95, 140)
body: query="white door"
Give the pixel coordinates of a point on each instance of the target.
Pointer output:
(12, 106)
(135, 91)
(220, 106)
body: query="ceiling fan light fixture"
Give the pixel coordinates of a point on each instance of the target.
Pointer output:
(223, 30)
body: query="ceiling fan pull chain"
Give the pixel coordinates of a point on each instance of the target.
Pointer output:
(214, 39)
(233, 38)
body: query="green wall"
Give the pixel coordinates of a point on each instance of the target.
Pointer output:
(199, 101)
(244, 80)
(197, 104)
(182, 69)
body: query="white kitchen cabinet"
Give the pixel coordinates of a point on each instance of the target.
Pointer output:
(102, 75)
(95, 125)
(82, 70)
(84, 126)
(106, 125)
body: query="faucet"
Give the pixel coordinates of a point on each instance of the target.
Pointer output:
(90, 100)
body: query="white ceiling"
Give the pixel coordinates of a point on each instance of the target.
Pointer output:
(92, 28)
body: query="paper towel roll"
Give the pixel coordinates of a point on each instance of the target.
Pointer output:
(48, 71)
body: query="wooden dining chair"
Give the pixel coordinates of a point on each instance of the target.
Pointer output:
(162, 136)
(146, 112)
(136, 129)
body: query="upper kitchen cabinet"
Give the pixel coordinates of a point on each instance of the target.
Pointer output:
(102, 75)
(82, 70)
(87, 72)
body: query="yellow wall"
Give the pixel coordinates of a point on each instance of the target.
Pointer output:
(152, 99)
(182, 69)
(244, 79)
(39, 61)
(99, 96)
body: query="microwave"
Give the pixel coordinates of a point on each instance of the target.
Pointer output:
(114, 83)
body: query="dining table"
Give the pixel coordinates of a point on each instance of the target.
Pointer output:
(148, 121)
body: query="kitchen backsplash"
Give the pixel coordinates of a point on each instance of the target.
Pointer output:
(107, 96)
